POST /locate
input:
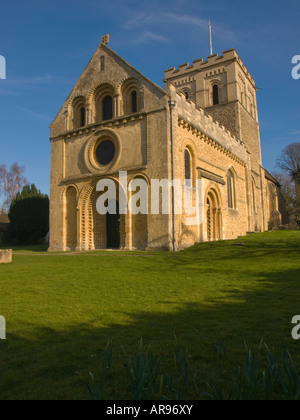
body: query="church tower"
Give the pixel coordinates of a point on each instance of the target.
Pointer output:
(224, 88)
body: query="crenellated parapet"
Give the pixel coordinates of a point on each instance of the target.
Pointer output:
(200, 65)
(194, 119)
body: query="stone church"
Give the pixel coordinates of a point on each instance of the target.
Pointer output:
(202, 126)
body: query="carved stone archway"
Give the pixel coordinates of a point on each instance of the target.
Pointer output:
(214, 216)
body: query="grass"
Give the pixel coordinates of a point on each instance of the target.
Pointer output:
(27, 248)
(61, 310)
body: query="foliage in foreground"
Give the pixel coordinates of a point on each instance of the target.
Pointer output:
(29, 217)
(261, 376)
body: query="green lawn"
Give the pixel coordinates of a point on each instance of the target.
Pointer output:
(62, 309)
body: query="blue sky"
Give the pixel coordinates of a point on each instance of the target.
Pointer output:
(48, 44)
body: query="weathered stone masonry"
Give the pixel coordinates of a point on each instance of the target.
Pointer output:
(115, 119)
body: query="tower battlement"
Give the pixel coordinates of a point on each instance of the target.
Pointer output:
(224, 88)
(200, 65)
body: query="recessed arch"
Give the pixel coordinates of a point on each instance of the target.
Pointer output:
(130, 90)
(103, 102)
(99, 231)
(187, 93)
(188, 162)
(231, 188)
(215, 88)
(79, 112)
(213, 215)
(188, 167)
(216, 94)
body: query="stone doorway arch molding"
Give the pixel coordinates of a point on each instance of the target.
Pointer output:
(93, 226)
(214, 218)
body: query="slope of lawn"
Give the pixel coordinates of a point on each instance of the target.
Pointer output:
(62, 309)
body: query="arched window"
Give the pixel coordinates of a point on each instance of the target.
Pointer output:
(82, 117)
(134, 101)
(216, 95)
(187, 167)
(107, 108)
(186, 94)
(231, 190)
(132, 97)
(79, 112)
(103, 103)
(102, 63)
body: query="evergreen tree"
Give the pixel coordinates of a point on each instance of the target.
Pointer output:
(29, 217)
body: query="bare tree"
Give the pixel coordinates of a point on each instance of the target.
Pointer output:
(11, 182)
(289, 163)
(287, 189)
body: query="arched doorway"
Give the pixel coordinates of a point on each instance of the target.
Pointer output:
(113, 227)
(101, 231)
(214, 217)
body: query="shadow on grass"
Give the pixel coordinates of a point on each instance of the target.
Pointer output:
(27, 248)
(54, 363)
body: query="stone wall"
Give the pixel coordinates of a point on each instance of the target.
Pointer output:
(213, 151)
(226, 115)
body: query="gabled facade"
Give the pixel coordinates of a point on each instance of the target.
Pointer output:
(116, 120)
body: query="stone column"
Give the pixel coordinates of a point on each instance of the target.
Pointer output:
(89, 116)
(116, 106)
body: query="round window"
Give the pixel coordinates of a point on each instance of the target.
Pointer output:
(105, 152)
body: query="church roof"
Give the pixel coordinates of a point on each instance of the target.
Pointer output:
(132, 68)
(124, 62)
(271, 178)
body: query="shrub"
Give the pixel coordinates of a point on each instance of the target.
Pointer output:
(29, 217)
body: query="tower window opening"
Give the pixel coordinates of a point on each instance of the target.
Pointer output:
(216, 100)
(107, 108)
(82, 117)
(187, 167)
(134, 101)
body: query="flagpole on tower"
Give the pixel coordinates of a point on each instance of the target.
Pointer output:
(210, 36)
